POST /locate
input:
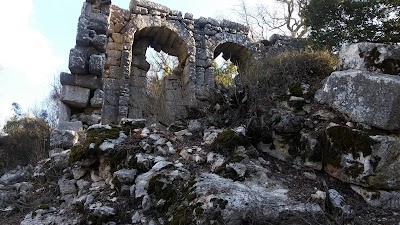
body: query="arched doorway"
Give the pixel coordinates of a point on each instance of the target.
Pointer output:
(172, 105)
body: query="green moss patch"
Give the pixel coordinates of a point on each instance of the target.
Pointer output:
(96, 137)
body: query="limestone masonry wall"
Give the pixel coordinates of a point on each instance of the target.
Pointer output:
(108, 64)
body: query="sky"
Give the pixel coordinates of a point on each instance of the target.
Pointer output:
(38, 34)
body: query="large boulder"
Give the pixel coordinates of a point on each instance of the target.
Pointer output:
(363, 158)
(370, 57)
(75, 96)
(366, 97)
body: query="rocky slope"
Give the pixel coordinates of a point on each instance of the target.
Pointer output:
(301, 163)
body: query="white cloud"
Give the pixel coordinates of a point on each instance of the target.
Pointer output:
(24, 49)
(26, 56)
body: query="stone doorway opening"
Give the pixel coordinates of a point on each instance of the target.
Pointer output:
(171, 103)
(236, 53)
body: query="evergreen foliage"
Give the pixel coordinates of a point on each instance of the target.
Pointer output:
(333, 22)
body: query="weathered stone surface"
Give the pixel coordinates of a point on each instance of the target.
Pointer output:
(126, 175)
(13, 176)
(366, 97)
(97, 100)
(96, 64)
(91, 82)
(362, 158)
(71, 126)
(64, 112)
(238, 200)
(78, 62)
(368, 56)
(99, 23)
(75, 96)
(100, 42)
(67, 186)
(63, 138)
(379, 198)
(83, 34)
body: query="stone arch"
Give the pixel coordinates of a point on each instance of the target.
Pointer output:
(174, 40)
(236, 47)
(239, 55)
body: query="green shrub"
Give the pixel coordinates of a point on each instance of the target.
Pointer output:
(27, 141)
(271, 78)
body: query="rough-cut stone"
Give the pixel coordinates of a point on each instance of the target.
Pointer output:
(72, 126)
(100, 42)
(82, 35)
(67, 186)
(64, 112)
(63, 138)
(96, 64)
(99, 23)
(370, 57)
(379, 198)
(91, 82)
(17, 175)
(362, 158)
(126, 175)
(78, 62)
(75, 96)
(237, 200)
(366, 97)
(97, 100)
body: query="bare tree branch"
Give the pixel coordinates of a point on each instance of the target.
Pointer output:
(261, 19)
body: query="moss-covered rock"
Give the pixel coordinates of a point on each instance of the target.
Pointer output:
(365, 158)
(89, 148)
(227, 141)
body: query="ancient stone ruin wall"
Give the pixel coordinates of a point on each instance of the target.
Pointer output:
(108, 64)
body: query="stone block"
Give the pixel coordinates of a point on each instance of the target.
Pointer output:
(78, 62)
(368, 56)
(188, 16)
(64, 112)
(96, 64)
(91, 82)
(99, 23)
(100, 42)
(114, 54)
(115, 46)
(112, 62)
(109, 115)
(118, 38)
(112, 84)
(362, 158)
(82, 35)
(97, 100)
(140, 62)
(366, 97)
(75, 96)
(115, 72)
(71, 126)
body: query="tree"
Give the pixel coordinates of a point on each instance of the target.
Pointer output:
(333, 22)
(16, 108)
(224, 73)
(261, 19)
(27, 141)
